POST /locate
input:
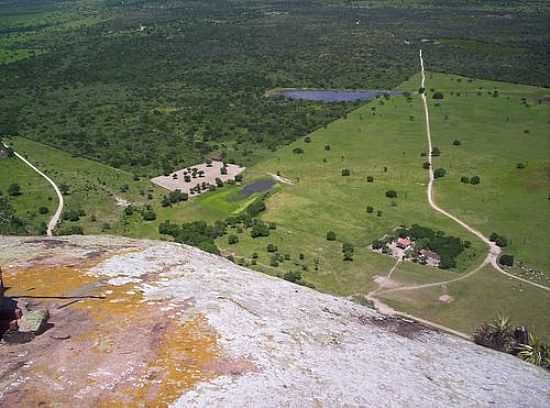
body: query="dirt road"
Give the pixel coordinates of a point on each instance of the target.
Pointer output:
(57, 215)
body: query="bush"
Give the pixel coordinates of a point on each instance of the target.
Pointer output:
(437, 95)
(239, 178)
(496, 334)
(298, 150)
(426, 165)
(498, 239)
(506, 260)
(465, 180)
(327, 147)
(391, 194)
(520, 166)
(346, 172)
(149, 215)
(438, 173)
(14, 190)
(232, 239)
(43, 210)
(370, 179)
(370, 210)
(274, 261)
(271, 248)
(436, 152)
(292, 276)
(260, 229)
(475, 180)
(331, 236)
(307, 139)
(457, 142)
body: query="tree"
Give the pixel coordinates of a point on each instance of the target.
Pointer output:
(436, 151)
(271, 248)
(520, 166)
(346, 172)
(457, 142)
(232, 239)
(426, 165)
(307, 139)
(14, 190)
(65, 189)
(43, 210)
(391, 194)
(370, 209)
(421, 90)
(437, 95)
(370, 179)
(327, 147)
(475, 180)
(331, 236)
(440, 172)
(149, 215)
(506, 260)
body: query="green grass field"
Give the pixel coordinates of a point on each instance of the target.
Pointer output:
(384, 139)
(36, 193)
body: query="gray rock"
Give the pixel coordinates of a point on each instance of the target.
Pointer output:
(34, 321)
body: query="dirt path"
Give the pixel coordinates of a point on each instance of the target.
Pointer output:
(494, 250)
(57, 215)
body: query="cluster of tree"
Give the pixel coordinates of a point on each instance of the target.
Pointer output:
(73, 215)
(498, 239)
(174, 197)
(347, 251)
(10, 224)
(447, 247)
(470, 180)
(499, 334)
(198, 234)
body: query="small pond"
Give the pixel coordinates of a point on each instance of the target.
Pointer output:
(258, 186)
(333, 95)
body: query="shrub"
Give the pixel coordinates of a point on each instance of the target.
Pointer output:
(43, 210)
(475, 180)
(260, 229)
(346, 172)
(149, 215)
(437, 95)
(331, 236)
(457, 142)
(239, 178)
(506, 260)
(271, 248)
(307, 139)
(370, 179)
(421, 90)
(465, 180)
(426, 165)
(520, 166)
(370, 210)
(496, 334)
(391, 194)
(378, 213)
(232, 239)
(298, 150)
(274, 261)
(436, 151)
(14, 190)
(292, 276)
(438, 173)
(327, 147)
(498, 239)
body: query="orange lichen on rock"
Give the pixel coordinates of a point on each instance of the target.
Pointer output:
(183, 354)
(46, 282)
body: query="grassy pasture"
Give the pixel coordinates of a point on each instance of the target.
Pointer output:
(496, 134)
(36, 192)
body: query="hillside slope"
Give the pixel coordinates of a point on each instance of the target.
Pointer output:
(159, 324)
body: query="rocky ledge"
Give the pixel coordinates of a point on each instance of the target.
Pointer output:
(144, 323)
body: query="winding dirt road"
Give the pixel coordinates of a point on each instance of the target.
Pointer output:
(57, 215)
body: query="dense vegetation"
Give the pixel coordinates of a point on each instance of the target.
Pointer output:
(148, 85)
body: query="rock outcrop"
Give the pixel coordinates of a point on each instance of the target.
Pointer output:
(147, 323)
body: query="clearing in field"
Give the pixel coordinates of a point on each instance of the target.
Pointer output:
(200, 178)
